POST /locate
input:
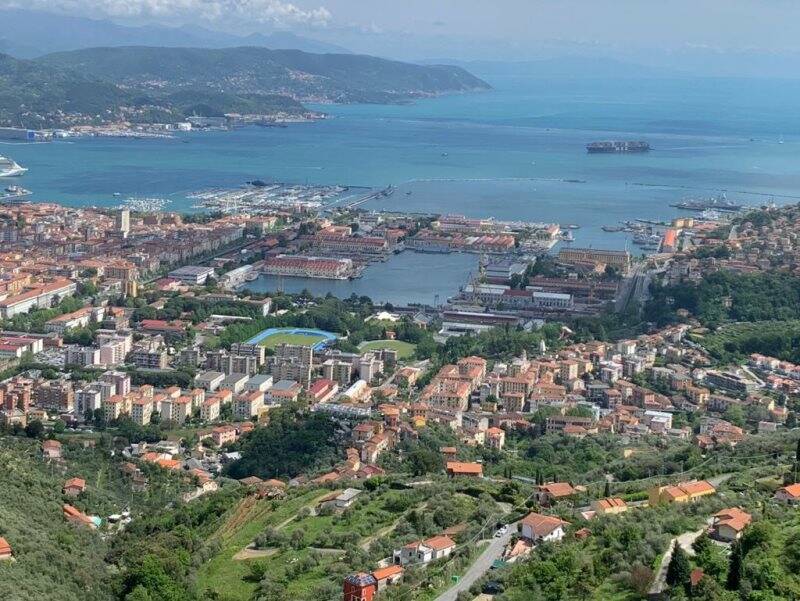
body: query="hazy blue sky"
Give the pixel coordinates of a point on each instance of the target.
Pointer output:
(664, 32)
(763, 24)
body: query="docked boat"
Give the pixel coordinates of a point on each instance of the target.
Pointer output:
(14, 193)
(10, 168)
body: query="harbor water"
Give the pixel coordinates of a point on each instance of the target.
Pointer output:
(517, 152)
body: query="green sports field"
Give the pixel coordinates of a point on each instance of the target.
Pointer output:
(286, 338)
(404, 349)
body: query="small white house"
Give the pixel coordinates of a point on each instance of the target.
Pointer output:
(424, 551)
(537, 528)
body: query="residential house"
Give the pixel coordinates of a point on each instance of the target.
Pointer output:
(424, 551)
(610, 505)
(537, 527)
(74, 487)
(684, 492)
(51, 449)
(789, 494)
(729, 524)
(547, 494)
(470, 470)
(5, 550)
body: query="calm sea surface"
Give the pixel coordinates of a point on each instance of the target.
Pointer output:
(514, 153)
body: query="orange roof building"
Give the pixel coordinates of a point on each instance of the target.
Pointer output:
(788, 494)
(5, 549)
(459, 468)
(682, 492)
(610, 505)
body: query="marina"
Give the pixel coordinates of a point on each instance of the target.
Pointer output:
(258, 197)
(14, 193)
(144, 205)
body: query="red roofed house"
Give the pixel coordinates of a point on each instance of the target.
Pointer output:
(424, 551)
(611, 505)
(537, 527)
(495, 438)
(547, 494)
(788, 494)
(388, 575)
(73, 515)
(5, 549)
(74, 487)
(458, 468)
(729, 524)
(683, 492)
(51, 449)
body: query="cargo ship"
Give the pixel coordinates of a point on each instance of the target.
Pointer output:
(716, 203)
(614, 146)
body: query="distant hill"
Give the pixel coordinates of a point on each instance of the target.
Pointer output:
(156, 84)
(254, 70)
(34, 94)
(28, 89)
(29, 34)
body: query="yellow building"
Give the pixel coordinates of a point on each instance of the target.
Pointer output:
(683, 492)
(609, 506)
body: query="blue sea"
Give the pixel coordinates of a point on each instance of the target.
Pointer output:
(516, 152)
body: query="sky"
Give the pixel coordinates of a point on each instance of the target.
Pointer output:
(471, 29)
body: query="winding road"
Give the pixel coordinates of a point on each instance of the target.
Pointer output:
(481, 565)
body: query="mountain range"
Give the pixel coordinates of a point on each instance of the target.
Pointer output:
(30, 34)
(157, 84)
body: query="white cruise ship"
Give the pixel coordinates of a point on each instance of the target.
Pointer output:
(9, 168)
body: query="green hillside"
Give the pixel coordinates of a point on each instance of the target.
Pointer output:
(29, 89)
(53, 559)
(251, 70)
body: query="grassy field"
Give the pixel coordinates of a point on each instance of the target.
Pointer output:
(404, 349)
(775, 338)
(222, 573)
(286, 338)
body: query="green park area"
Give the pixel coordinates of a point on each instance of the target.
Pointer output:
(404, 349)
(287, 338)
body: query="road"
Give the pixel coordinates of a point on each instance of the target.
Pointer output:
(480, 566)
(685, 540)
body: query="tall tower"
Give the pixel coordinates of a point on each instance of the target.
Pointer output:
(123, 222)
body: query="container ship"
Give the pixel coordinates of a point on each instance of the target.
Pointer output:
(717, 203)
(614, 146)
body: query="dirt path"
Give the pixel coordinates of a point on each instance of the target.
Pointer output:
(387, 529)
(310, 505)
(251, 553)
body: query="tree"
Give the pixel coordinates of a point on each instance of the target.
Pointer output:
(679, 568)
(735, 415)
(34, 429)
(640, 578)
(734, 580)
(138, 594)
(424, 461)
